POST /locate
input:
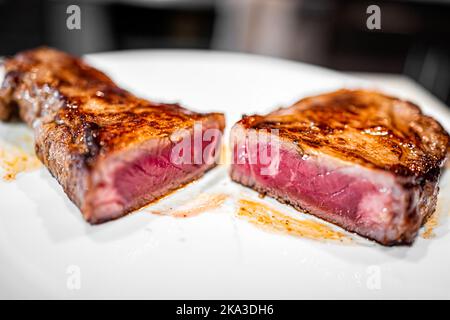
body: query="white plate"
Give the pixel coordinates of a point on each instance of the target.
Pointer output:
(48, 251)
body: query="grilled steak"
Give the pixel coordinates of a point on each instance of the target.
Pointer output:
(365, 161)
(110, 150)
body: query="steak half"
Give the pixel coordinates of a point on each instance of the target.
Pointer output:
(362, 160)
(110, 151)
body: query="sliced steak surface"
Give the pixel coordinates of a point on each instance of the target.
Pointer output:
(367, 162)
(110, 150)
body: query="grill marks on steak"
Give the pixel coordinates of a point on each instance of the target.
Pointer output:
(107, 148)
(362, 160)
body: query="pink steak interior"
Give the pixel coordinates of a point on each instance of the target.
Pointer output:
(356, 199)
(129, 184)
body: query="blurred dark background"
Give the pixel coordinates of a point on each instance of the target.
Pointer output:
(413, 39)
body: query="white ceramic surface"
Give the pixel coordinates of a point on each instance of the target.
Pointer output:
(44, 242)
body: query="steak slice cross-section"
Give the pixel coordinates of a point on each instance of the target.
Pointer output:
(110, 151)
(365, 161)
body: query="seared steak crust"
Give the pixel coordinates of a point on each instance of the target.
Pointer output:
(345, 135)
(82, 118)
(365, 127)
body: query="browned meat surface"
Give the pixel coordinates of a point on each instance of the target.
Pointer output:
(365, 161)
(108, 149)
